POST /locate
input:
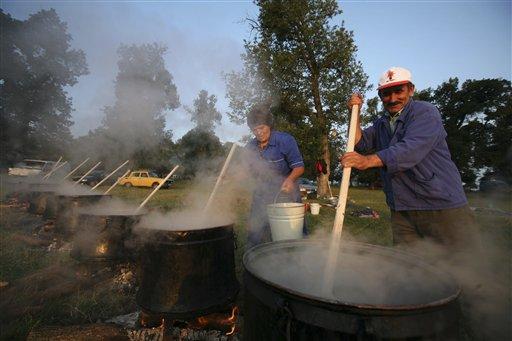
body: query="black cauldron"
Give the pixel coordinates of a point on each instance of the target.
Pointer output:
(379, 293)
(105, 236)
(187, 273)
(68, 207)
(41, 199)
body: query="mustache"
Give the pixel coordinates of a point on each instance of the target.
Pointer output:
(390, 104)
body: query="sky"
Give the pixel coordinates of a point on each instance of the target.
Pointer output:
(436, 40)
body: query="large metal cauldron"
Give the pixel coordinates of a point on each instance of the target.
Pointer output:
(41, 199)
(189, 273)
(379, 293)
(105, 236)
(68, 206)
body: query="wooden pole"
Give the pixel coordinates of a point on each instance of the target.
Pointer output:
(334, 248)
(220, 177)
(118, 179)
(76, 168)
(108, 176)
(87, 173)
(47, 176)
(156, 189)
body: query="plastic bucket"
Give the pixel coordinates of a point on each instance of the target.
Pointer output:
(315, 208)
(286, 220)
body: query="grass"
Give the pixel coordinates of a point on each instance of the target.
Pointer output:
(100, 302)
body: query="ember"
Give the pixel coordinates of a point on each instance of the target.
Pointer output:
(101, 249)
(217, 321)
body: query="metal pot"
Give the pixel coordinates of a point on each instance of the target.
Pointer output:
(188, 273)
(103, 236)
(282, 301)
(68, 207)
(41, 199)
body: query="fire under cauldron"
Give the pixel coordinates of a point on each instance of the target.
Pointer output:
(379, 293)
(187, 273)
(105, 235)
(68, 207)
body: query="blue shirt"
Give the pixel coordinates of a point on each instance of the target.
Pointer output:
(418, 172)
(272, 164)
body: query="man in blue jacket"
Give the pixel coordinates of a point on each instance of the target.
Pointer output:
(422, 184)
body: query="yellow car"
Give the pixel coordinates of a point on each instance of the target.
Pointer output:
(143, 178)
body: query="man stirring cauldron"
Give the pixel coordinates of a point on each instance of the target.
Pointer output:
(422, 184)
(276, 163)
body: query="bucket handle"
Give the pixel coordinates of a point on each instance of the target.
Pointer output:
(278, 195)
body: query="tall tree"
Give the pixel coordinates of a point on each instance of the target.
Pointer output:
(306, 67)
(478, 119)
(199, 152)
(204, 113)
(37, 63)
(145, 90)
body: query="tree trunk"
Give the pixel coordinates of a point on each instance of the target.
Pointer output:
(322, 180)
(323, 187)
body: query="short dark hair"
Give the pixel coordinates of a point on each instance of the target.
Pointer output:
(260, 114)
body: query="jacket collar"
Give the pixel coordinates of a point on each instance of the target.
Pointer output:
(403, 113)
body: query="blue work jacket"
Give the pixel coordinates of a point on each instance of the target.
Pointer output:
(418, 172)
(272, 165)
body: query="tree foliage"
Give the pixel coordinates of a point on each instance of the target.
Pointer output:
(134, 127)
(199, 152)
(306, 68)
(37, 63)
(204, 113)
(477, 116)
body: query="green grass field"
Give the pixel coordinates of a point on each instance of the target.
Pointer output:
(100, 302)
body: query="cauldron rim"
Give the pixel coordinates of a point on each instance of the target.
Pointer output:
(133, 214)
(341, 304)
(215, 226)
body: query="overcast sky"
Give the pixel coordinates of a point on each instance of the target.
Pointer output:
(436, 40)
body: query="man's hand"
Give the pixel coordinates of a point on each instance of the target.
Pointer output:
(361, 162)
(355, 99)
(287, 185)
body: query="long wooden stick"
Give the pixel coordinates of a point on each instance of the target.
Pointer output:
(57, 163)
(76, 168)
(220, 177)
(115, 183)
(87, 173)
(334, 248)
(156, 189)
(47, 176)
(108, 176)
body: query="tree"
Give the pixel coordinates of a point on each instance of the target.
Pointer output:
(204, 113)
(37, 63)
(478, 119)
(199, 151)
(306, 68)
(135, 125)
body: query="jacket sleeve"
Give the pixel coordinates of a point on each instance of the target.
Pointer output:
(292, 153)
(367, 141)
(422, 134)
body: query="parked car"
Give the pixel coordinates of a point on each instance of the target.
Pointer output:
(143, 178)
(307, 187)
(92, 178)
(31, 167)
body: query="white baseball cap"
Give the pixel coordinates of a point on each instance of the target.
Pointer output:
(394, 76)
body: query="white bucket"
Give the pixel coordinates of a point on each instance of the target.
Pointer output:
(286, 220)
(314, 208)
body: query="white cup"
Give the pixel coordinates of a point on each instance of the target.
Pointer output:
(314, 208)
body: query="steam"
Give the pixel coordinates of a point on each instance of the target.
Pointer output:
(421, 275)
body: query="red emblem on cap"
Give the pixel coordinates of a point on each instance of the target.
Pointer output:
(390, 75)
